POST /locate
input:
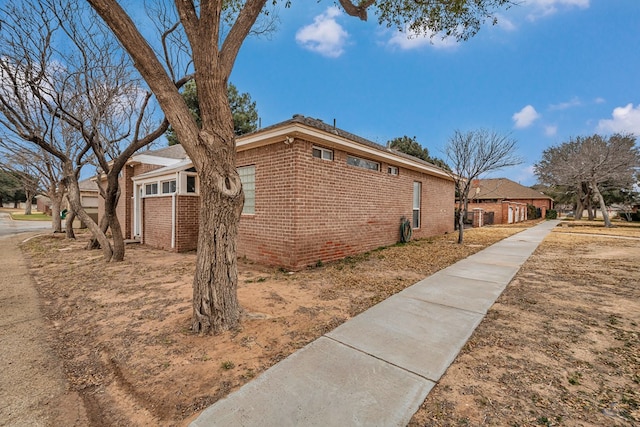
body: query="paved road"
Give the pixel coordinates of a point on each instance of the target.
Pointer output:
(8, 227)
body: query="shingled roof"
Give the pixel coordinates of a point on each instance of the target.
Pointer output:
(321, 125)
(171, 152)
(503, 189)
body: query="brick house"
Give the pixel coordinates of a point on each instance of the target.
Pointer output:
(89, 199)
(313, 193)
(506, 199)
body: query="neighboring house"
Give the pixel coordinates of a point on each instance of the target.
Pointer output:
(43, 204)
(505, 200)
(89, 200)
(89, 196)
(313, 193)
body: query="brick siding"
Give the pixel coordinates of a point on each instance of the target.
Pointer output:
(309, 210)
(156, 221)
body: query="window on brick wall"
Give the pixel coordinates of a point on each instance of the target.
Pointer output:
(248, 179)
(322, 153)
(363, 163)
(392, 170)
(191, 184)
(169, 187)
(417, 196)
(150, 189)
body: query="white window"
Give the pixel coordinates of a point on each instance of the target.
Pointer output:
(417, 194)
(248, 179)
(150, 189)
(169, 187)
(392, 170)
(363, 163)
(322, 153)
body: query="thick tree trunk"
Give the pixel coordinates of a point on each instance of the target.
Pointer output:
(118, 239)
(76, 206)
(590, 209)
(56, 221)
(27, 205)
(603, 206)
(579, 206)
(71, 215)
(215, 300)
(104, 226)
(110, 205)
(56, 195)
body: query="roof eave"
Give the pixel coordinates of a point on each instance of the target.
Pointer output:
(329, 140)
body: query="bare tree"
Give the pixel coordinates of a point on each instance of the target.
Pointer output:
(215, 30)
(71, 90)
(26, 175)
(592, 165)
(473, 154)
(46, 168)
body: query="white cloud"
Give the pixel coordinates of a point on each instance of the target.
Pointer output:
(325, 36)
(408, 39)
(574, 102)
(550, 130)
(525, 117)
(505, 23)
(624, 120)
(599, 100)
(543, 8)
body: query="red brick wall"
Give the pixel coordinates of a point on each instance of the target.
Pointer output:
(187, 208)
(156, 224)
(268, 235)
(501, 209)
(309, 209)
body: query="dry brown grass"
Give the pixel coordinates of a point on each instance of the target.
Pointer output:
(560, 347)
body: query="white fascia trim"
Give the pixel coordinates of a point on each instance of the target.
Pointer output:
(329, 140)
(165, 171)
(154, 160)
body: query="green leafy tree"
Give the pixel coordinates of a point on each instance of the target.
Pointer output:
(245, 114)
(9, 186)
(412, 147)
(210, 42)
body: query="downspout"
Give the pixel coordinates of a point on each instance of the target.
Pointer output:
(173, 221)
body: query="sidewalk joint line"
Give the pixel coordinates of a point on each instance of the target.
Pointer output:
(379, 358)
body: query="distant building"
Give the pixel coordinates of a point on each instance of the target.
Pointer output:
(505, 201)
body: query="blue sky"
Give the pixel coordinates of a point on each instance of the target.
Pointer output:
(550, 70)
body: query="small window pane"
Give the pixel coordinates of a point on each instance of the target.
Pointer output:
(417, 194)
(248, 179)
(191, 184)
(169, 187)
(393, 170)
(363, 163)
(322, 153)
(150, 189)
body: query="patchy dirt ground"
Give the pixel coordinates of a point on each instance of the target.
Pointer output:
(560, 347)
(122, 330)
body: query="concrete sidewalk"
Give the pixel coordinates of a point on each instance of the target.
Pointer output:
(377, 368)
